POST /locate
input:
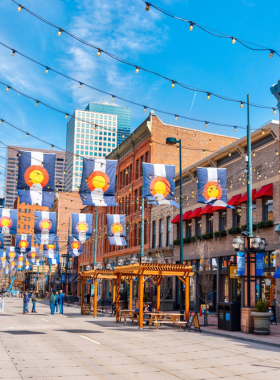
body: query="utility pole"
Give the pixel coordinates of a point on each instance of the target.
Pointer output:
(249, 173)
(95, 237)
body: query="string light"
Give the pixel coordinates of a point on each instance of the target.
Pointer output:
(27, 134)
(123, 135)
(19, 8)
(113, 98)
(235, 129)
(254, 154)
(13, 53)
(274, 111)
(206, 124)
(176, 117)
(262, 131)
(277, 153)
(173, 84)
(47, 70)
(147, 7)
(80, 85)
(145, 109)
(51, 146)
(233, 40)
(8, 88)
(208, 96)
(59, 32)
(191, 26)
(37, 103)
(203, 151)
(241, 104)
(229, 154)
(1, 121)
(98, 53)
(137, 70)
(271, 54)
(66, 116)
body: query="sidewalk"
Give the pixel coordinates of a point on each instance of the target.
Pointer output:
(273, 339)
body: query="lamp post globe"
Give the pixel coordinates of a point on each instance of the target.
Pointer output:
(237, 242)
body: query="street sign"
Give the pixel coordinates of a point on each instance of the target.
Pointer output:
(233, 271)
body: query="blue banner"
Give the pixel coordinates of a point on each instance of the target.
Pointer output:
(259, 264)
(8, 221)
(240, 263)
(82, 226)
(63, 278)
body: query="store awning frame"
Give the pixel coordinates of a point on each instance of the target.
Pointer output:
(265, 191)
(196, 213)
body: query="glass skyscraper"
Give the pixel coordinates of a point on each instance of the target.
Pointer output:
(86, 140)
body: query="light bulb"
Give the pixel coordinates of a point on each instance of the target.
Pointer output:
(8, 88)
(254, 154)
(173, 84)
(277, 153)
(51, 146)
(271, 54)
(19, 8)
(191, 26)
(233, 40)
(123, 136)
(262, 132)
(27, 134)
(66, 116)
(206, 124)
(113, 98)
(147, 7)
(80, 85)
(47, 70)
(59, 33)
(177, 148)
(13, 53)
(274, 111)
(229, 154)
(145, 109)
(241, 104)
(208, 96)
(1, 121)
(37, 103)
(98, 53)
(235, 129)
(203, 151)
(150, 143)
(137, 70)
(176, 117)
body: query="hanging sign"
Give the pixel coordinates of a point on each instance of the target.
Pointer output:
(259, 264)
(240, 263)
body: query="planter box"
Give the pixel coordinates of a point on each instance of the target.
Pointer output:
(261, 323)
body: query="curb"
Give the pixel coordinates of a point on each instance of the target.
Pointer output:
(271, 344)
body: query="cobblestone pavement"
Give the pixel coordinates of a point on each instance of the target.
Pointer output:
(71, 346)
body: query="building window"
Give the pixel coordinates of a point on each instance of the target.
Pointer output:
(209, 223)
(198, 226)
(222, 219)
(154, 234)
(188, 228)
(160, 232)
(178, 231)
(267, 208)
(168, 231)
(236, 217)
(136, 235)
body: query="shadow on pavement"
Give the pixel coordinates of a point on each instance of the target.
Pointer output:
(24, 332)
(81, 331)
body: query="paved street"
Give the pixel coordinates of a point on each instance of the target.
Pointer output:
(71, 346)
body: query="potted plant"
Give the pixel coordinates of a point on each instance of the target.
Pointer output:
(176, 242)
(261, 318)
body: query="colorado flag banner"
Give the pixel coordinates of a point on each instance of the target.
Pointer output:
(1, 241)
(27, 265)
(116, 229)
(23, 243)
(11, 254)
(81, 226)
(211, 187)
(98, 182)
(3, 258)
(20, 262)
(158, 184)
(53, 257)
(34, 254)
(6, 269)
(36, 184)
(8, 221)
(75, 247)
(52, 245)
(45, 225)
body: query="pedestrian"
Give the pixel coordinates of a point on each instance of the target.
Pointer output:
(56, 302)
(2, 292)
(34, 300)
(61, 301)
(52, 302)
(25, 303)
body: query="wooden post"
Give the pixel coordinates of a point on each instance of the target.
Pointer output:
(118, 298)
(95, 298)
(141, 289)
(82, 294)
(158, 293)
(130, 294)
(187, 298)
(114, 291)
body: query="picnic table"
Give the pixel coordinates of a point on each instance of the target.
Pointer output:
(162, 317)
(132, 314)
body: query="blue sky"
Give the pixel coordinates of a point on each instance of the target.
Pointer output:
(149, 39)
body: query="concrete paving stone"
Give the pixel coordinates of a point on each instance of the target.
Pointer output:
(173, 366)
(194, 374)
(58, 371)
(139, 376)
(269, 375)
(9, 373)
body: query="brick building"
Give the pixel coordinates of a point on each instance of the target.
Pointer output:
(200, 222)
(146, 144)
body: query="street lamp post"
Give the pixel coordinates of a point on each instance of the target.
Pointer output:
(173, 141)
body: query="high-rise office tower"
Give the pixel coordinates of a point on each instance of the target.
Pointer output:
(85, 140)
(12, 171)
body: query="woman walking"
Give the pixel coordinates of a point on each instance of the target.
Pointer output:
(52, 302)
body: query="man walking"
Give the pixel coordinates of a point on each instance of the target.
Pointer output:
(56, 301)
(34, 300)
(61, 302)
(25, 303)
(52, 302)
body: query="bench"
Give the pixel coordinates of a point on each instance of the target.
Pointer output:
(128, 314)
(160, 321)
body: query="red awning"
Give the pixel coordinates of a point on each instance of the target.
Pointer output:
(207, 210)
(235, 201)
(176, 219)
(187, 214)
(265, 191)
(196, 213)
(244, 198)
(217, 208)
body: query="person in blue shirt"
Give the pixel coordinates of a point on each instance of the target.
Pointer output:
(25, 303)
(52, 302)
(61, 301)
(56, 301)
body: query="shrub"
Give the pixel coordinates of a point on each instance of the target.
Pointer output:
(207, 236)
(145, 298)
(266, 224)
(176, 242)
(261, 306)
(220, 233)
(234, 230)
(187, 240)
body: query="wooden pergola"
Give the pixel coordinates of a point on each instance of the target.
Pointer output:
(153, 271)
